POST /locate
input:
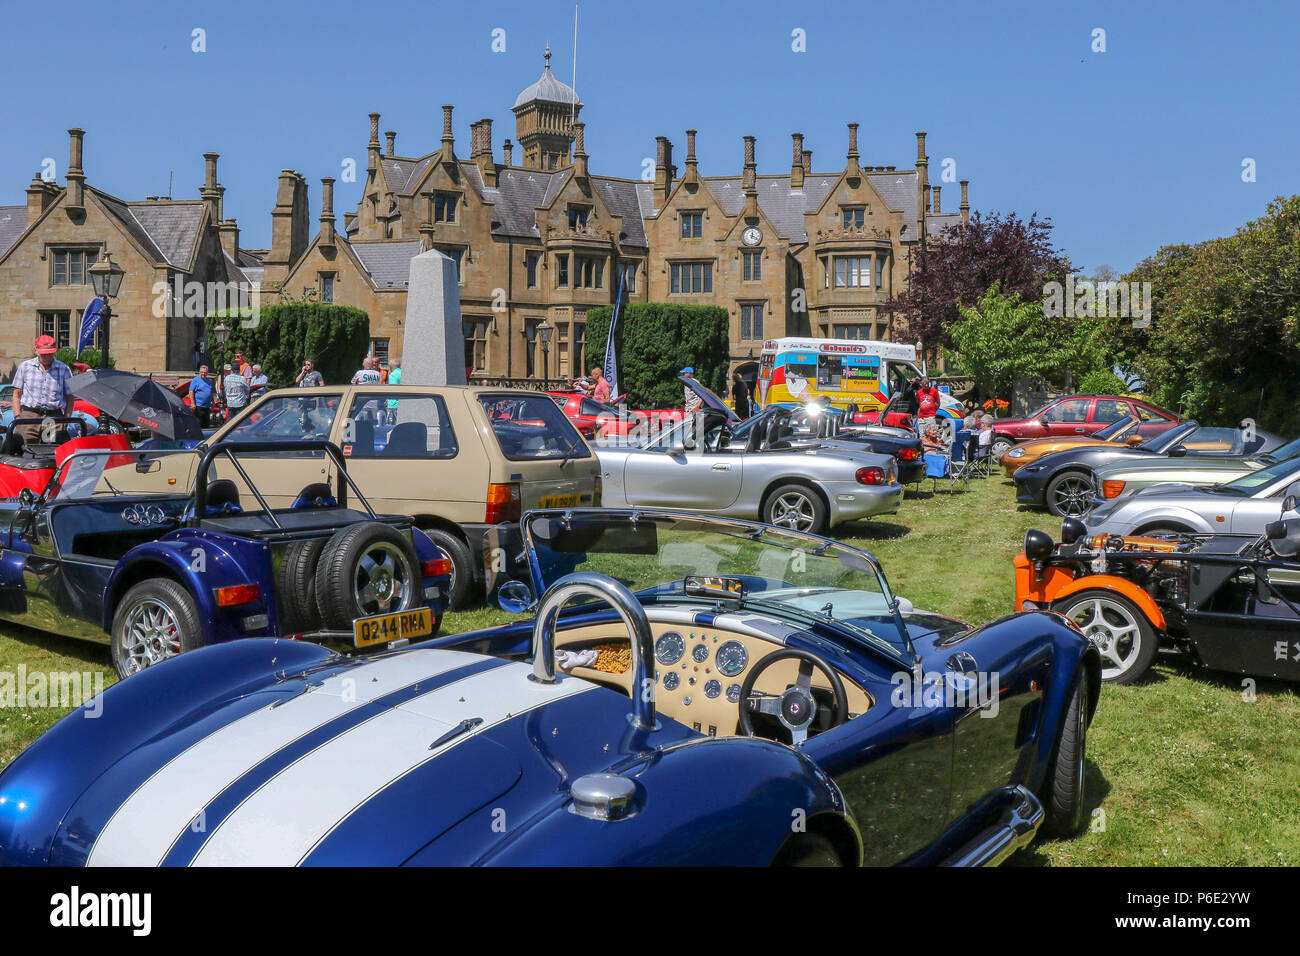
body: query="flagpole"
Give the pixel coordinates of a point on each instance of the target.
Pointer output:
(573, 107)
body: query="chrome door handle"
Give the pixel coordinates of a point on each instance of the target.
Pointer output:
(721, 466)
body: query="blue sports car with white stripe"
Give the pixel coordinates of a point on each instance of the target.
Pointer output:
(677, 690)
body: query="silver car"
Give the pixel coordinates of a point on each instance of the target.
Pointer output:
(1196, 468)
(693, 466)
(1241, 506)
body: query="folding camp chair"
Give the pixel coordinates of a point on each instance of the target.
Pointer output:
(962, 462)
(981, 458)
(936, 466)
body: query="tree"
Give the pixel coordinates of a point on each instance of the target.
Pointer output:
(1001, 339)
(335, 337)
(1224, 341)
(957, 267)
(654, 340)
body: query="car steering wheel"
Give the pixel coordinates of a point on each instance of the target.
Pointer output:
(797, 707)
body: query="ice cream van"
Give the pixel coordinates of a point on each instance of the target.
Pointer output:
(841, 372)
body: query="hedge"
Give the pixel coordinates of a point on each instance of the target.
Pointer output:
(654, 340)
(89, 356)
(335, 337)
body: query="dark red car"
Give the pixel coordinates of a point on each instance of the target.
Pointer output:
(598, 420)
(1079, 415)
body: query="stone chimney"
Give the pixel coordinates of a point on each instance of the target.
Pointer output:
(290, 223)
(852, 168)
(426, 223)
(965, 206)
(76, 176)
(750, 180)
(372, 148)
(448, 140)
(935, 194)
(481, 150)
(508, 153)
(39, 196)
(390, 146)
(922, 177)
(211, 193)
(807, 162)
(663, 170)
(796, 164)
(579, 154)
(926, 204)
(327, 234)
(230, 239)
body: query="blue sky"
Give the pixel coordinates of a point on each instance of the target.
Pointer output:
(1126, 150)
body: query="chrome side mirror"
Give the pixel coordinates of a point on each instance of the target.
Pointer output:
(628, 608)
(514, 597)
(27, 497)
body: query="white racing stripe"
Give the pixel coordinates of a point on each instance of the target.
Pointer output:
(280, 824)
(145, 826)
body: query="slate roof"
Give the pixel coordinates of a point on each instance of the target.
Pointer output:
(402, 174)
(517, 195)
(387, 261)
(784, 206)
(945, 220)
(621, 196)
(899, 190)
(167, 230)
(13, 220)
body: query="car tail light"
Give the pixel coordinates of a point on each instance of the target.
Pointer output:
(502, 503)
(908, 454)
(435, 568)
(236, 594)
(1112, 489)
(871, 476)
(596, 491)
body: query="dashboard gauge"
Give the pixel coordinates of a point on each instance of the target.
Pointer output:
(712, 689)
(733, 693)
(700, 652)
(669, 648)
(671, 680)
(732, 658)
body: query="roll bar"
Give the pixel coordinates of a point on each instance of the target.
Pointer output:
(590, 584)
(229, 449)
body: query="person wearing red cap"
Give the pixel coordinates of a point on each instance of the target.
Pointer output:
(41, 389)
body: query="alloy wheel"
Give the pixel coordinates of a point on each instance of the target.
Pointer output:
(1114, 631)
(1073, 496)
(793, 510)
(383, 580)
(150, 634)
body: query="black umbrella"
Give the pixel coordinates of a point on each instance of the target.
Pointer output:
(137, 401)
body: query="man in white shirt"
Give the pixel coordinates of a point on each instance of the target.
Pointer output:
(369, 373)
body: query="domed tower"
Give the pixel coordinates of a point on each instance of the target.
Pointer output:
(544, 117)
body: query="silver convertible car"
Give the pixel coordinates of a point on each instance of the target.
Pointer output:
(1244, 505)
(694, 466)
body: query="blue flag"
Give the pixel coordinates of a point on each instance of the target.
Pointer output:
(90, 320)
(611, 360)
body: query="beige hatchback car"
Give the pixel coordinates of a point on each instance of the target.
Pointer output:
(459, 460)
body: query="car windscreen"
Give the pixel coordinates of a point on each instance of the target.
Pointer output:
(780, 570)
(1289, 450)
(1116, 431)
(97, 474)
(1257, 481)
(531, 427)
(1166, 440)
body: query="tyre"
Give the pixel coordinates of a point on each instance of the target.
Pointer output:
(366, 569)
(296, 586)
(807, 849)
(1069, 494)
(1000, 447)
(797, 507)
(464, 583)
(1063, 797)
(156, 619)
(1118, 628)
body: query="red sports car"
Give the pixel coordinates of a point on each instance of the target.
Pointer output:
(1079, 415)
(600, 420)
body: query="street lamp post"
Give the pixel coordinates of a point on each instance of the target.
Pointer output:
(220, 335)
(106, 279)
(544, 332)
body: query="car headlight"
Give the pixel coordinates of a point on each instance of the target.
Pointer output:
(1016, 453)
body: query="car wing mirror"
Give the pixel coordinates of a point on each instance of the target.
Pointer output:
(1134, 440)
(1290, 502)
(515, 597)
(1178, 452)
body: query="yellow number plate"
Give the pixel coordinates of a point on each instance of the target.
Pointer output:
(559, 501)
(382, 628)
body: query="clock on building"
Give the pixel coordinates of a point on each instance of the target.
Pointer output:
(751, 236)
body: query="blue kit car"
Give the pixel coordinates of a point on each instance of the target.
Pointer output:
(154, 554)
(677, 690)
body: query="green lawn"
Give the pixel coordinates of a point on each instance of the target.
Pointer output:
(1185, 771)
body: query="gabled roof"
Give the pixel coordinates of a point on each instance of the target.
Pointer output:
(783, 206)
(945, 220)
(387, 261)
(516, 197)
(622, 198)
(403, 175)
(168, 230)
(899, 190)
(13, 221)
